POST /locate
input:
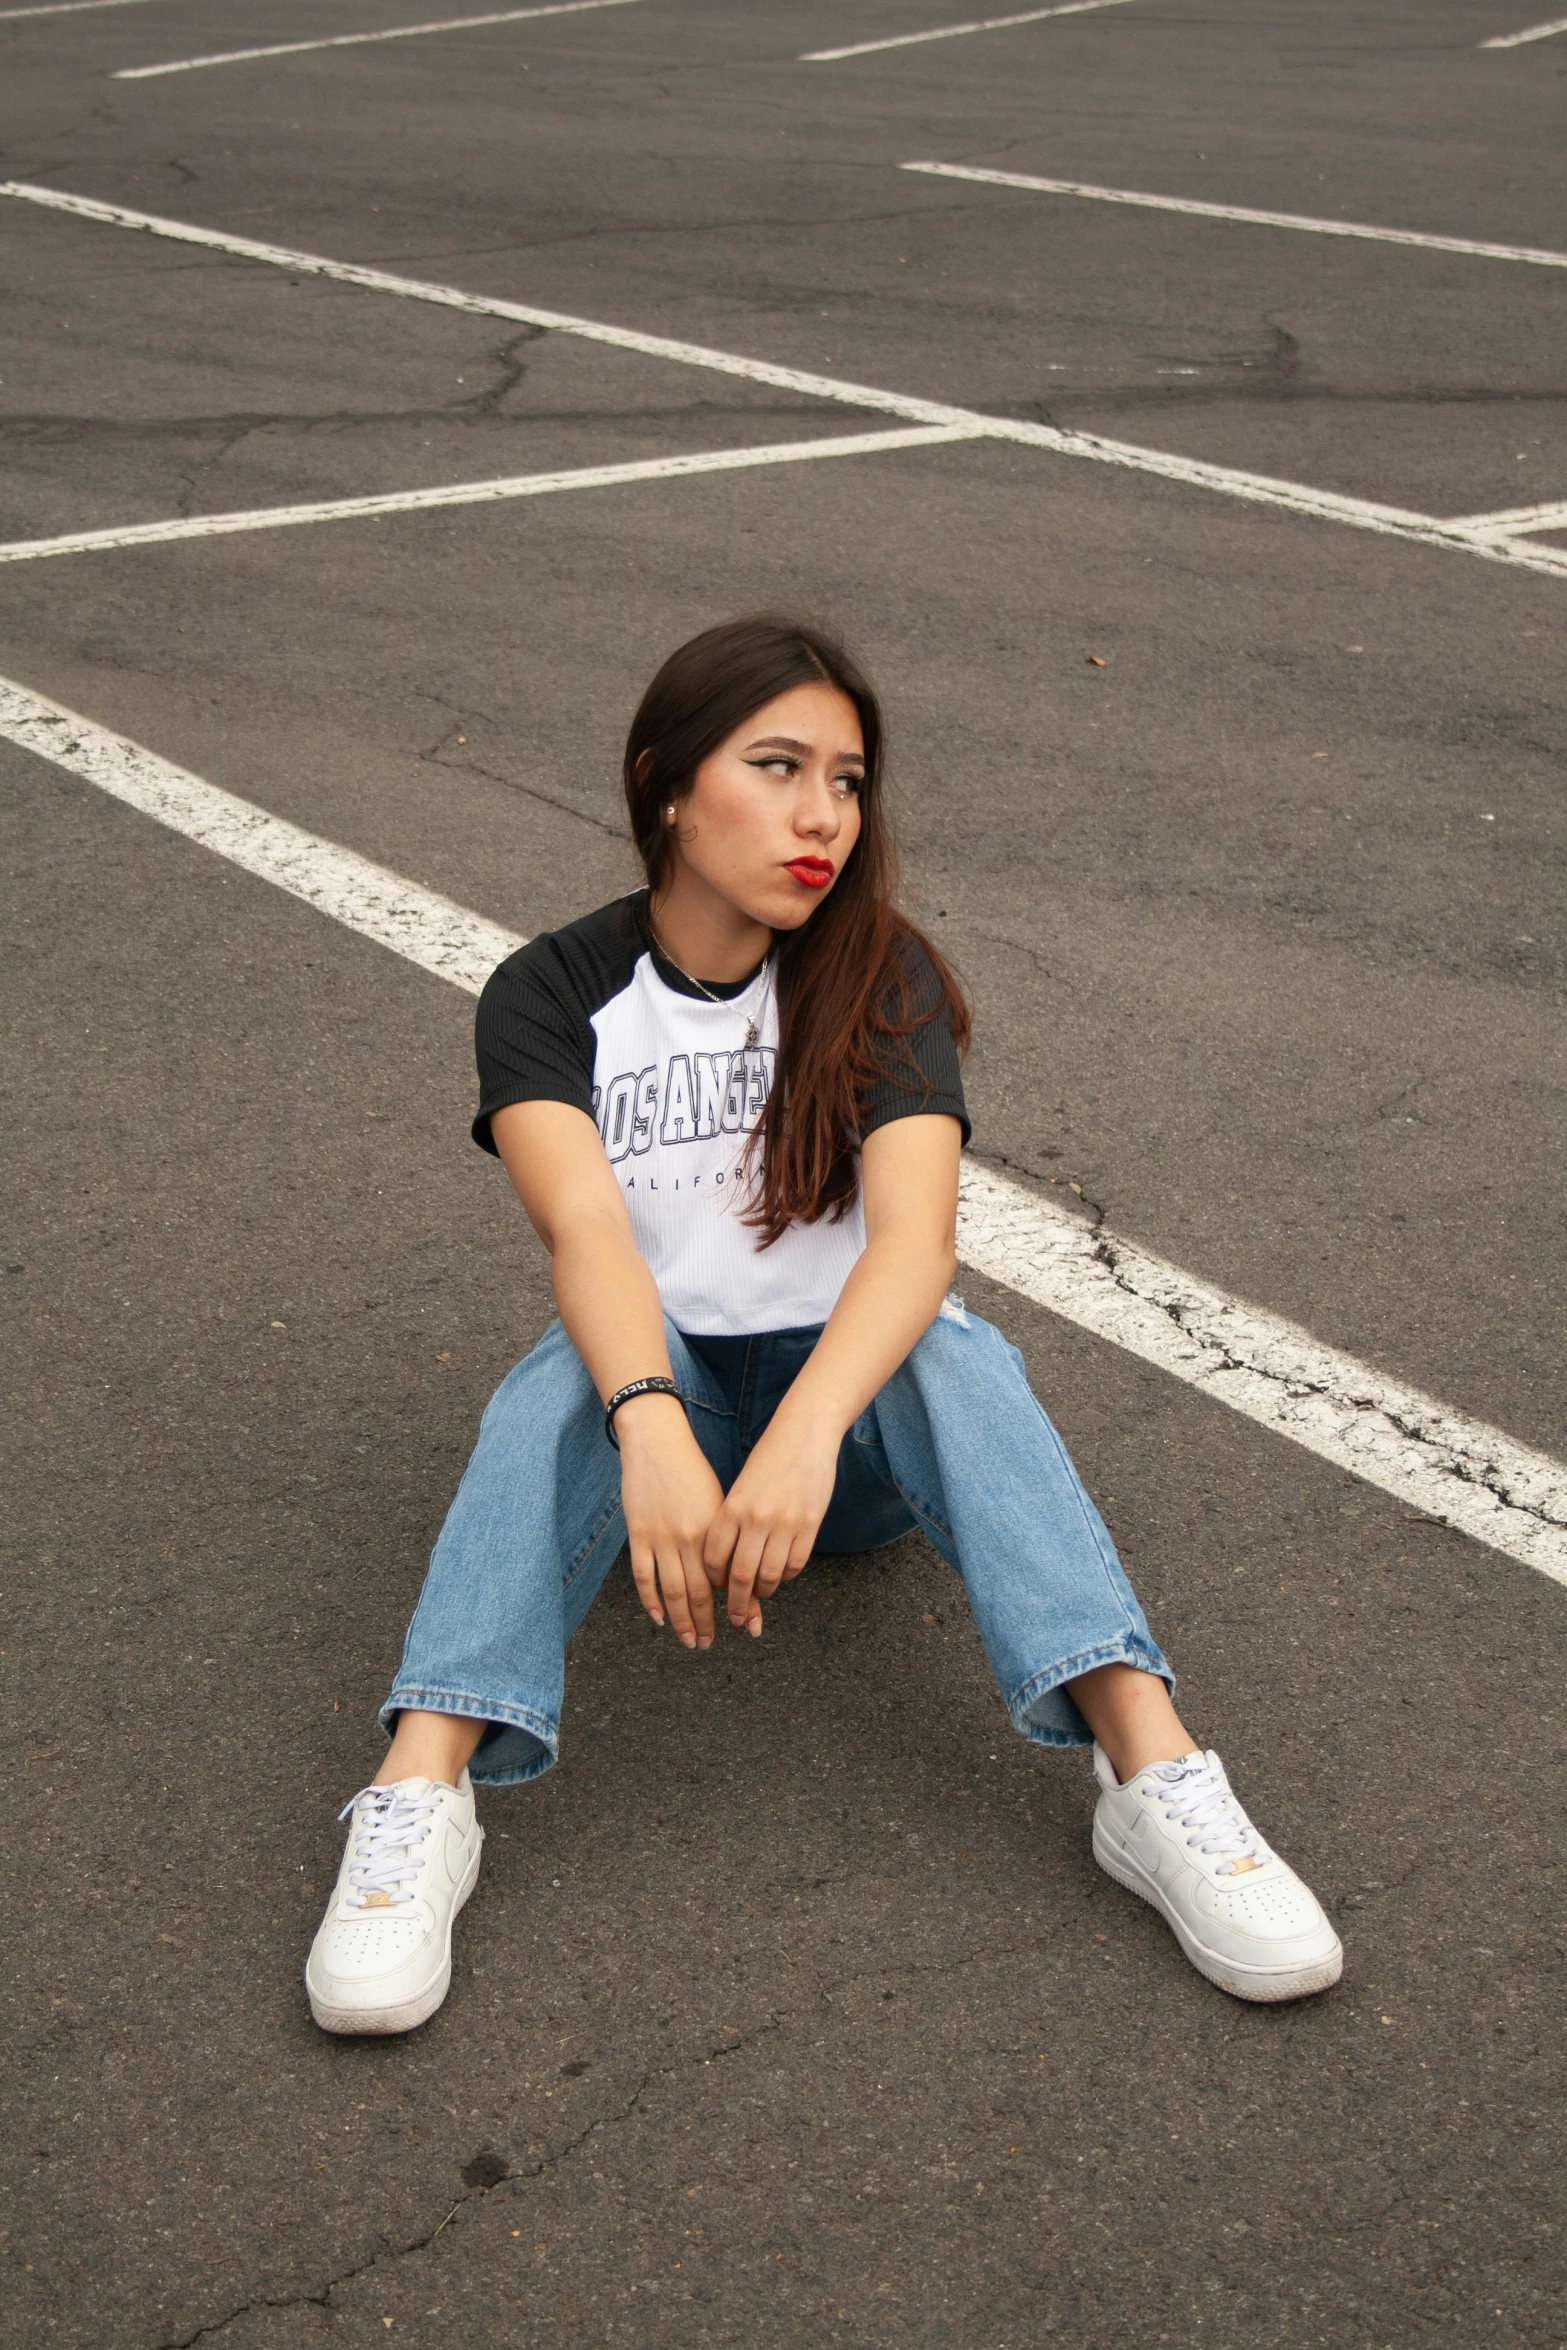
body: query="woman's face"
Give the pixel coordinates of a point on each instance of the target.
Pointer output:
(773, 812)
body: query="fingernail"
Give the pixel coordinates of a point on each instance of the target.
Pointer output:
(706, 1642)
(755, 1628)
(659, 1621)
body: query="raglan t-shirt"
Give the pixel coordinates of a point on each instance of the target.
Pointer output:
(594, 1015)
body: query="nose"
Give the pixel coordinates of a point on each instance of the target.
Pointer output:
(818, 810)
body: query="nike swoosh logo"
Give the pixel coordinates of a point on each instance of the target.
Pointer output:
(1152, 1850)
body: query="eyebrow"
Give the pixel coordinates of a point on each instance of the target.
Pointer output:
(786, 742)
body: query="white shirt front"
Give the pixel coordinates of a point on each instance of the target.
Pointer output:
(676, 1096)
(589, 1016)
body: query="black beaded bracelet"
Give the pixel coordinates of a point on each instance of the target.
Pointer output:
(658, 1386)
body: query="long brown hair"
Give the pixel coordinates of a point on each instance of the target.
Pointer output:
(852, 984)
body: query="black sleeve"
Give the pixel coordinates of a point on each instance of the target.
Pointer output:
(532, 1038)
(533, 1033)
(920, 1075)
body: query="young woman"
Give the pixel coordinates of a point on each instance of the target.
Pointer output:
(731, 1106)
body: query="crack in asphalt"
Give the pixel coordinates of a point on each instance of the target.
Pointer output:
(76, 428)
(322, 2297)
(436, 756)
(1018, 947)
(778, 2020)
(41, 428)
(597, 231)
(1259, 384)
(1444, 1458)
(1095, 1212)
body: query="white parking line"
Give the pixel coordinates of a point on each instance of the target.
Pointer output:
(430, 930)
(1441, 1462)
(67, 8)
(401, 32)
(1438, 1461)
(951, 32)
(1535, 32)
(481, 493)
(1321, 228)
(1517, 518)
(1258, 488)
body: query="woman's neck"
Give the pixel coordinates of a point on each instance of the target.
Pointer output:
(703, 934)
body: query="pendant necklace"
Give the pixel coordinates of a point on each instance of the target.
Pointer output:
(751, 1037)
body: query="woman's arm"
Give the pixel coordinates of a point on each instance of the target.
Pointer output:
(765, 1529)
(609, 1303)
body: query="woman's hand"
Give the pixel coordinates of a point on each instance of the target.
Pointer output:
(670, 1496)
(610, 1305)
(764, 1532)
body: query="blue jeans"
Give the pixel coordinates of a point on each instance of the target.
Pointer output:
(954, 1445)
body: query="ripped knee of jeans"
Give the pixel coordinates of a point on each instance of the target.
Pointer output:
(952, 1309)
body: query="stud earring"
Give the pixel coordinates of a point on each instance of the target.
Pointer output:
(669, 812)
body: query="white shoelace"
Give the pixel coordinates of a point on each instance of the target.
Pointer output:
(391, 1828)
(1195, 1797)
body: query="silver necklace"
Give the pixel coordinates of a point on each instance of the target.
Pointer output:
(750, 1026)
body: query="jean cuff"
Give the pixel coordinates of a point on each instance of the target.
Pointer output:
(517, 1744)
(1044, 1711)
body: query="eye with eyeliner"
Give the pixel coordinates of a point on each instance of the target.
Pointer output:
(780, 763)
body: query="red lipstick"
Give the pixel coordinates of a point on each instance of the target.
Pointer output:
(814, 872)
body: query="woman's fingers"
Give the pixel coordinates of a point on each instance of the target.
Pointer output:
(645, 1577)
(687, 1594)
(775, 1562)
(763, 1558)
(699, 1592)
(718, 1549)
(672, 1582)
(670, 1496)
(743, 1565)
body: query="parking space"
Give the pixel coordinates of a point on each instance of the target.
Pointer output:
(166, 386)
(1237, 803)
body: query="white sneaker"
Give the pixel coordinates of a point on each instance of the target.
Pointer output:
(1176, 1835)
(382, 1959)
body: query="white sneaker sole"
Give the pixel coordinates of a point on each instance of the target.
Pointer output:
(1265, 1985)
(405, 2015)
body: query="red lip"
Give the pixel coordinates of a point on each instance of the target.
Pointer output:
(815, 872)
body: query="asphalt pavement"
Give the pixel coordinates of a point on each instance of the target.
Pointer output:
(792, 2007)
